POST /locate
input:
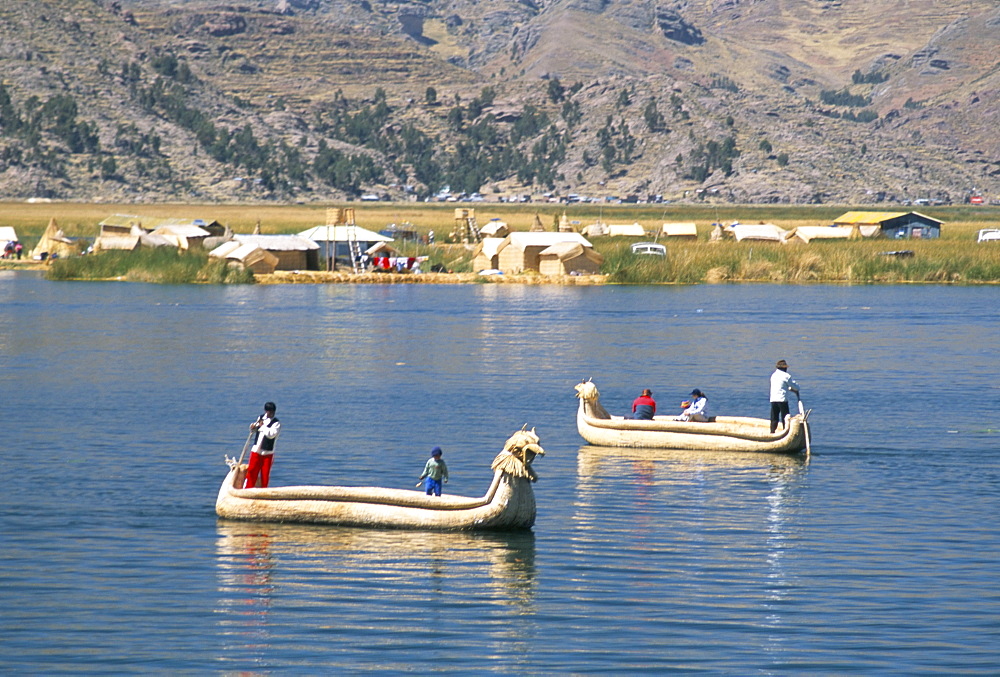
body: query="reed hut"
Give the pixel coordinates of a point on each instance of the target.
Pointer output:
(183, 236)
(293, 252)
(249, 256)
(495, 228)
(486, 255)
(569, 258)
(520, 251)
(55, 242)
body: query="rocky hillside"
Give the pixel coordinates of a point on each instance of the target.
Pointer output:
(845, 101)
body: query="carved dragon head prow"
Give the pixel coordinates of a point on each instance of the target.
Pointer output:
(590, 400)
(518, 453)
(587, 390)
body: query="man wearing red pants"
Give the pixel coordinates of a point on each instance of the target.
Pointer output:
(267, 427)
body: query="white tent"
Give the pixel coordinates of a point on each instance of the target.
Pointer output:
(7, 234)
(342, 233)
(333, 241)
(626, 230)
(760, 231)
(679, 230)
(810, 233)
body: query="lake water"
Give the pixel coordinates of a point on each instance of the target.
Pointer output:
(879, 554)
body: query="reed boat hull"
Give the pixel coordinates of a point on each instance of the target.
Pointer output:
(508, 505)
(726, 433)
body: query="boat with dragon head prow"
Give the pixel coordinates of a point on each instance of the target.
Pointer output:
(509, 503)
(721, 433)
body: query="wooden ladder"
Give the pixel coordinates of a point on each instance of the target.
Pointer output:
(355, 247)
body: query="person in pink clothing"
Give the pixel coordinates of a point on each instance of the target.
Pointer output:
(267, 428)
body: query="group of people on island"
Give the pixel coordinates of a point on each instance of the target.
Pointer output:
(696, 409)
(267, 427)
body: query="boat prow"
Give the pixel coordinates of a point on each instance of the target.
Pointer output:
(508, 504)
(723, 433)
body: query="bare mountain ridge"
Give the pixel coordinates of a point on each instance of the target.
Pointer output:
(753, 74)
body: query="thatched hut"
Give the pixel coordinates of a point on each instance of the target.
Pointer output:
(495, 228)
(520, 251)
(183, 236)
(568, 258)
(54, 242)
(293, 252)
(486, 255)
(249, 256)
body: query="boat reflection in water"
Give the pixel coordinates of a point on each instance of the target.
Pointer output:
(347, 582)
(711, 520)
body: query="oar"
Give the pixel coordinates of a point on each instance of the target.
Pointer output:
(250, 436)
(805, 425)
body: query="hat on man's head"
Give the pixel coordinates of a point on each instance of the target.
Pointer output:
(696, 393)
(269, 406)
(436, 451)
(781, 365)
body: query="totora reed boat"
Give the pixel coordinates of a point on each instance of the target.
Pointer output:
(723, 433)
(508, 504)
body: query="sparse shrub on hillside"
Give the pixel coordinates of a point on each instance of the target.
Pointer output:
(724, 82)
(867, 115)
(844, 97)
(571, 113)
(708, 157)
(654, 119)
(872, 78)
(556, 92)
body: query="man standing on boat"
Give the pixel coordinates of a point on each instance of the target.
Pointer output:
(262, 452)
(781, 384)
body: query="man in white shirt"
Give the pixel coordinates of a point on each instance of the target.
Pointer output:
(267, 428)
(781, 384)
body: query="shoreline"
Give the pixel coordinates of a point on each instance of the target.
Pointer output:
(322, 277)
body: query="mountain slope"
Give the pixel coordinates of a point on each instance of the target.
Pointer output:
(759, 101)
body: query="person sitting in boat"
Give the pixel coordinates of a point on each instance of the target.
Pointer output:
(435, 472)
(697, 409)
(644, 406)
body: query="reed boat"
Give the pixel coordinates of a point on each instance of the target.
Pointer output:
(508, 504)
(723, 433)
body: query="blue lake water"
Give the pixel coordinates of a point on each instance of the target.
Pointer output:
(877, 554)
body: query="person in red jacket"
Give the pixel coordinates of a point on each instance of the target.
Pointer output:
(644, 407)
(267, 428)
